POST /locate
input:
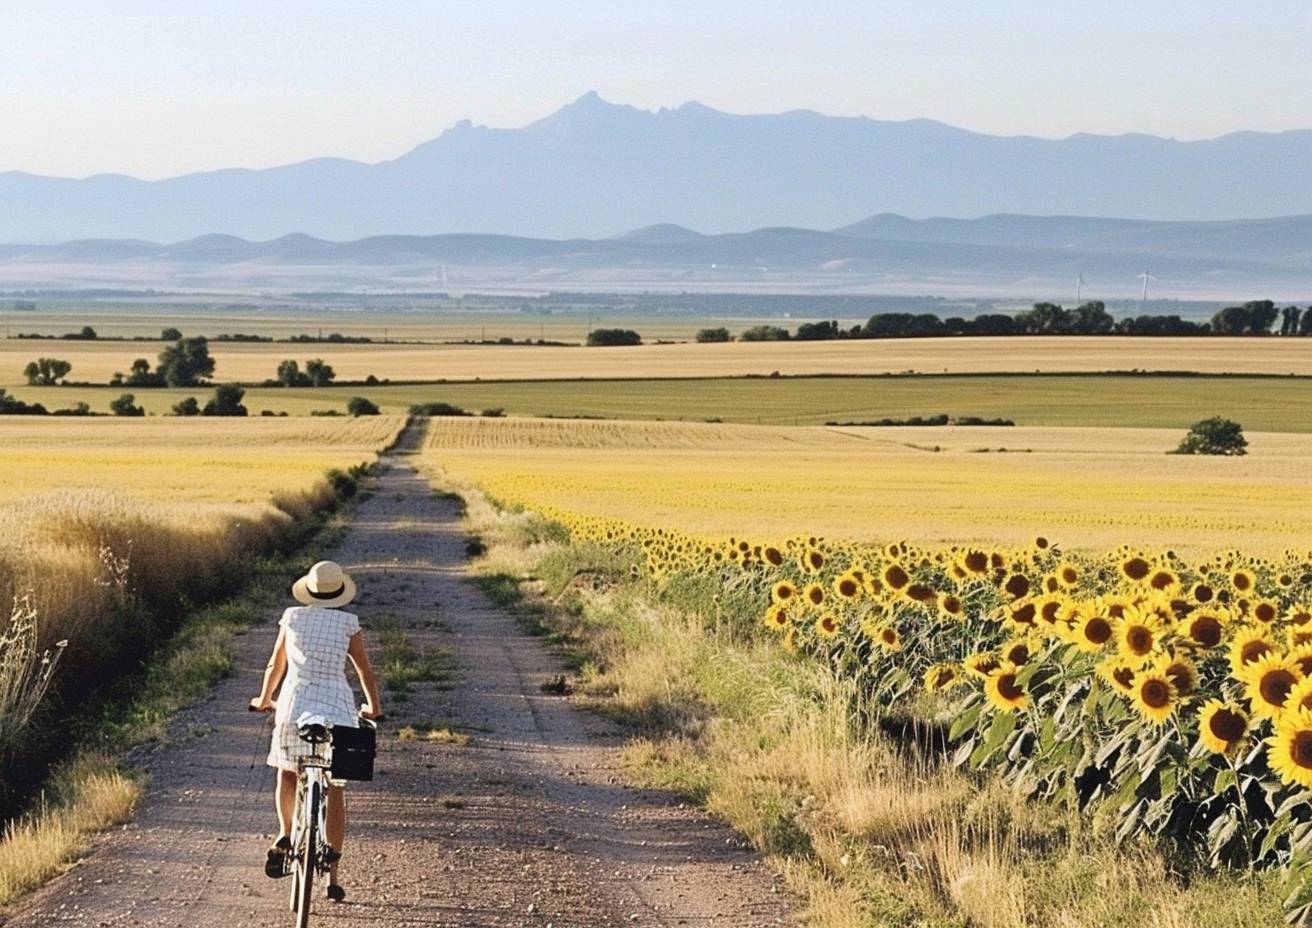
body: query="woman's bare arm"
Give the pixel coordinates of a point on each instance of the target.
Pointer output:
(356, 651)
(273, 674)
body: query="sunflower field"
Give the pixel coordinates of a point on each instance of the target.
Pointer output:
(1164, 698)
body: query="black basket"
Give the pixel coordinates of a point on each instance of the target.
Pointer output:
(353, 752)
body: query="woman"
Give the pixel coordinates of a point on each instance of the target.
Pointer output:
(309, 661)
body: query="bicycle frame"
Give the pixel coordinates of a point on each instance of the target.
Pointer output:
(309, 826)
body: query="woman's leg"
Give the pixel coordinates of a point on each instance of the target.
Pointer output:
(285, 798)
(336, 824)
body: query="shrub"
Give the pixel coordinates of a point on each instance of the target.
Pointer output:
(320, 373)
(436, 409)
(46, 372)
(706, 336)
(496, 412)
(360, 406)
(187, 407)
(170, 335)
(186, 363)
(77, 409)
(226, 401)
(86, 333)
(13, 406)
(125, 405)
(291, 375)
(611, 338)
(1214, 436)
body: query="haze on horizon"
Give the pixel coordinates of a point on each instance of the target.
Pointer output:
(141, 88)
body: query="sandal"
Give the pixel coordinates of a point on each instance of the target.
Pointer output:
(275, 864)
(330, 854)
(336, 893)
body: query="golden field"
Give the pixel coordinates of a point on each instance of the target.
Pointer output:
(96, 362)
(1087, 488)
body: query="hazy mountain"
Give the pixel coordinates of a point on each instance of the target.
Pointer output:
(593, 167)
(1029, 256)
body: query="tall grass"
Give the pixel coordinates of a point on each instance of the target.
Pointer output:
(869, 830)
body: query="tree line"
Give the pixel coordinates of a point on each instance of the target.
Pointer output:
(1256, 317)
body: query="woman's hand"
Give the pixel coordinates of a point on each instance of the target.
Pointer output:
(261, 704)
(369, 711)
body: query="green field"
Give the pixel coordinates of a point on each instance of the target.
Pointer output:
(1271, 404)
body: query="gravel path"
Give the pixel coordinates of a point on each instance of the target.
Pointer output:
(527, 824)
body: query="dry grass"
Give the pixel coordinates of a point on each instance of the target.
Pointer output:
(1087, 488)
(96, 362)
(95, 794)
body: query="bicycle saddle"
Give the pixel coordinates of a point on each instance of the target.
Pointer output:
(313, 728)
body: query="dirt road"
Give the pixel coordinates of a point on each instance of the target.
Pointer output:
(528, 824)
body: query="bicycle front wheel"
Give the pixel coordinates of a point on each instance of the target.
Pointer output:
(307, 854)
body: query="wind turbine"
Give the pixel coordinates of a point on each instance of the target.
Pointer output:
(1145, 277)
(1079, 287)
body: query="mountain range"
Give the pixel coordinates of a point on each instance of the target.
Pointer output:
(594, 167)
(1000, 255)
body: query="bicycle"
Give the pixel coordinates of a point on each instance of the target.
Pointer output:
(310, 854)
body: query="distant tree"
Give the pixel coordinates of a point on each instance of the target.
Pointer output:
(993, 324)
(186, 363)
(1044, 319)
(1253, 318)
(1091, 318)
(1159, 325)
(170, 335)
(46, 372)
(714, 335)
(141, 375)
(125, 405)
(12, 406)
(226, 401)
(764, 333)
(1289, 317)
(320, 373)
(1305, 327)
(86, 333)
(77, 409)
(1214, 436)
(904, 325)
(186, 407)
(613, 338)
(360, 406)
(818, 331)
(290, 375)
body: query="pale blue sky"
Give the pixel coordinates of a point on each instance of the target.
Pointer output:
(150, 89)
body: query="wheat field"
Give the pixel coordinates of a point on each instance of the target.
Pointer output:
(1087, 488)
(96, 362)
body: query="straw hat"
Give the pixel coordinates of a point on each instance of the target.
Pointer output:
(324, 585)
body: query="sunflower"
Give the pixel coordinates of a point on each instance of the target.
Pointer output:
(1267, 684)
(1020, 616)
(941, 677)
(1221, 726)
(1202, 593)
(1301, 654)
(1202, 629)
(776, 617)
(895, 576)
(1019, 650)
(1050, 612)
(782, 592)
(1300, 697)
(975, 562)
(1249, 645)
(889, 639)
(1289, 750)
(1163, 580)
(1138, 633)
(772, 556)
(1003, 691)
(1242, 580)
(1118, 672)
(1265, 612)
(1153, 695)
(1135, 568)
(951, 606)
(847, 586)
(1181, 672)
(1092, 632)
(1017, 586)
(983, 664)
(813, 594)
(828, 625)
(1067, 575)
(811, 560)
(920, 593)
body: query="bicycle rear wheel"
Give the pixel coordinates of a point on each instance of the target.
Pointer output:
(307, 856)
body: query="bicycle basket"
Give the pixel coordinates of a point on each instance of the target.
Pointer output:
(353, 752)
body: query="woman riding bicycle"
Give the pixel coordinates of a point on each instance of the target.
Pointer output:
(315, 640)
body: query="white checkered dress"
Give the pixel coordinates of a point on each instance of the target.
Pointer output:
(316, 642)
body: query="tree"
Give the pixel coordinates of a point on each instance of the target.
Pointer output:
(226, 401)
(187, 407)
(1289, 320)
(46, 372)
(1253, 318)
(1044, 319)
(904, 325)
(611, 338)
(1214, 436)
(817, 331)
(77, 409)
(186, 363)
(170, 335)
(764, 333)
(141, 375)
(12, 406)
(319, 373)
(1092, 318)
(86, 333)
(125, 405)
(1305, 327)
(705, 336)
(290, 375)
(360, 406)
